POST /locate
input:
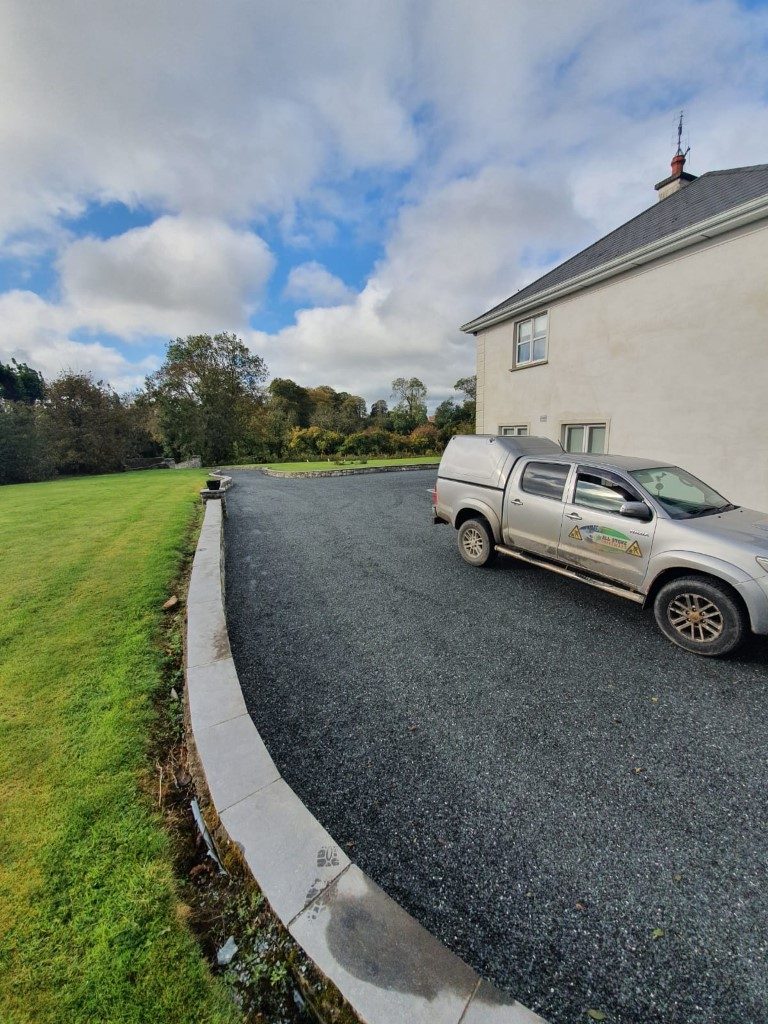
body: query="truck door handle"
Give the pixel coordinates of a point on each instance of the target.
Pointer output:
(572, 515)
(516, 501)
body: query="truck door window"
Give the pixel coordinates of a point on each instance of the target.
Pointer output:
(546, 479)
(602, 491)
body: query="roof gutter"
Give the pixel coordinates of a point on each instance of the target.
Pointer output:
(737, 217)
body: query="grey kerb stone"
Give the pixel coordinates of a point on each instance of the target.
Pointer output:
(382, 960)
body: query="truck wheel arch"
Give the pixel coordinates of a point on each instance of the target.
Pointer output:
(669, 574)
(475, 510)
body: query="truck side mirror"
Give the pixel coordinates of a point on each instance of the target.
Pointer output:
(635, 510)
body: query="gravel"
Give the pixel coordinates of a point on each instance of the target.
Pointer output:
(572, 804)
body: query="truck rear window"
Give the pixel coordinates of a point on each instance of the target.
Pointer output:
(546, 479)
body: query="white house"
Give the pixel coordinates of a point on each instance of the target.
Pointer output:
(653, 341)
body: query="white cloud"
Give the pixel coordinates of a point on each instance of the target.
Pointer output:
(224, 109)
(506, 129)
(176, 276)
(314, 283)
(450, 255)
(38, 333)
(179, 275)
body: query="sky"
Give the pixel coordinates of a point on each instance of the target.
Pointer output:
(342, 184)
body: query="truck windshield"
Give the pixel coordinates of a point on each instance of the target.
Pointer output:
(680, 493)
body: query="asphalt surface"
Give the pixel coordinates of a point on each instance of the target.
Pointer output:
(571, 803)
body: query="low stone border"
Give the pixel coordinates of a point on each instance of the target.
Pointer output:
(226, 483)
(349, 472)
(381, 959)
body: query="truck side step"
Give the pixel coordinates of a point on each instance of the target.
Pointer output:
(561, 570)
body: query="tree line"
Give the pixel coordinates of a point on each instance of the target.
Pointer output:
(209, 398)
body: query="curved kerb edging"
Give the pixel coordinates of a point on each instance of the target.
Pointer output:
(388, 967)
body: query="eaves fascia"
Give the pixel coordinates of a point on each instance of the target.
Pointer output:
(737, 217)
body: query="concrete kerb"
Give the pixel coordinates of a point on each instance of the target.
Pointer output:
(387, 966)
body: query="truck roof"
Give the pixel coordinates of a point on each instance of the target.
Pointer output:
(542, 446)
(525, 445)
(627, 462)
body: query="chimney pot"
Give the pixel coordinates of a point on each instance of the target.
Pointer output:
(677, 180)
(678, 162)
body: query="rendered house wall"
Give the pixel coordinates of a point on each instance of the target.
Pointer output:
(672, 356)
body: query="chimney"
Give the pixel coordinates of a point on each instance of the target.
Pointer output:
(678, 178)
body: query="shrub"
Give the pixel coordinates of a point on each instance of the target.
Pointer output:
(367, 442)
(425, 438)
(313, 442)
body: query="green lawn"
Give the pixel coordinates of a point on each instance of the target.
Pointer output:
(91, 927)
(311, 467)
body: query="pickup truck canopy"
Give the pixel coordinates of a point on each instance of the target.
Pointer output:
(480, 458)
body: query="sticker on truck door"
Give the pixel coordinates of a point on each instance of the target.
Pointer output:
(607, 538)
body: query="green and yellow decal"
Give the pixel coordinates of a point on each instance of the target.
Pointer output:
(607, 538)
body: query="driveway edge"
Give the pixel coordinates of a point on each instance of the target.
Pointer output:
(386, 965)
(350, 472)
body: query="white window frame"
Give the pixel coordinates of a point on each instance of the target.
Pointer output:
(516, 430)
(519, 363)
(587, 427)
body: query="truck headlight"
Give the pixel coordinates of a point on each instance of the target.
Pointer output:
(762, 562)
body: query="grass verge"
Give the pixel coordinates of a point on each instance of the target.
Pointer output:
(91, 924)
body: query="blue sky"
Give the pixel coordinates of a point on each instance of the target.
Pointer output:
(340, 184)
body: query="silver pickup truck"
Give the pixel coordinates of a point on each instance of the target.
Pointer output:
(645, 531)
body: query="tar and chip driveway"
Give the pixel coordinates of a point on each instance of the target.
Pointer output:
(522, 762)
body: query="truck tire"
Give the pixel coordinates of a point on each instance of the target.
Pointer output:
(476, 543)
(700, 615)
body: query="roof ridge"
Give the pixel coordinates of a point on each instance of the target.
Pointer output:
(734, 170)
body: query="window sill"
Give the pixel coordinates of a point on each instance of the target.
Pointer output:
(528, 366)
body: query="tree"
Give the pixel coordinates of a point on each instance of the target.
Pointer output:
(82, 425)
(379, 410)
(20, 383)
(452, 418)
(291, 399)
(447, 414)
(469, 386)
(323, 394)
(142, 436)
(206, 391)
(411, 394)
(265, 436)
(351, 414)
(24, 456)
(411, 409)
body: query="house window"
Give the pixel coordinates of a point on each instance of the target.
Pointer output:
(521, 430)
(531, 340)
(584, 437)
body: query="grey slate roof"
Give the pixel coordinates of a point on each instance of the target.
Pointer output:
(713, 193)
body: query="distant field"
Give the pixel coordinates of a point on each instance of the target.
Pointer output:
(91, 929)
(310, 467)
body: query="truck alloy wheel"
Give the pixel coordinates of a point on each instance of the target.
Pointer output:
(475, 541)
(700, 615)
